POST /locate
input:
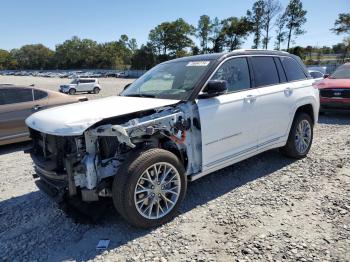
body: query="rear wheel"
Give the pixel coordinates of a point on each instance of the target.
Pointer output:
(96, 90)
(72, 91)
(149, 188)
(300, 137)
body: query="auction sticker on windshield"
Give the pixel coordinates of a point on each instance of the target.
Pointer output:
(198, 63)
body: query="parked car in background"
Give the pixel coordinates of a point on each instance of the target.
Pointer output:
(19, 102)
(89, 85)
(316, 74)
(180, 121)
(122, 75)
(322, 69)
(335, 90)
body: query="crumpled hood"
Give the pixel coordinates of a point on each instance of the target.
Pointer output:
(74, 119)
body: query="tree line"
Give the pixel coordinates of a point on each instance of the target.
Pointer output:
(174, 39)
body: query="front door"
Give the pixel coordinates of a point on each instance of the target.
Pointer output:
(228, 123)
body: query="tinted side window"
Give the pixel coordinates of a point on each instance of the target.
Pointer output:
(292, 69)
(39, 94)
(265, 72)
(236, 72)
(87, 81)
(15, 95)
(280, 70)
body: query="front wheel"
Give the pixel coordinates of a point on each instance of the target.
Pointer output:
(72, 91)
(300, 137)
(149, 188)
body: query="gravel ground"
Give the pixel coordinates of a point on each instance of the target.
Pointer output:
(267, 208)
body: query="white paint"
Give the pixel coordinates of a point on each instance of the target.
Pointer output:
(74, 119)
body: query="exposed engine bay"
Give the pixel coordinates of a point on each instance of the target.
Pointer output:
(86, 164)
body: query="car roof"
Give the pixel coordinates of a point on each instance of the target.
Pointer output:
(23, 86)
(219, 56)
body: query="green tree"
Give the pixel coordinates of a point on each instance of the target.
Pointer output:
(144, 58)
(7, 61)
(159, 38)
(114, 55)
(218, 37)
(308, 50)
(170, 38)
(132, 44)
(272, 8)
(235, 30)
(256, 17)
(35, 56)
(77, 53)
(295, 17)
(342, 24)
(281, 33)
(298, 51)
(204, 30)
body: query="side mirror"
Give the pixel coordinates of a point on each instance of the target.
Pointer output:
(126, 86)
(214, 88)
(325, 75)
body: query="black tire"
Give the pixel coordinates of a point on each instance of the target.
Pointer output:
(96, 90)
(125, 182)
(72, 91)
(290, 149)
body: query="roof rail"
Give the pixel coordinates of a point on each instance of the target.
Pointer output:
(259, 50)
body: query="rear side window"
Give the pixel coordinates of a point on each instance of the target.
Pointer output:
(280, 70)
(236, 72)
(293, 69)
(39, 94)
(87, 81)
(265, 71)
(15, 95)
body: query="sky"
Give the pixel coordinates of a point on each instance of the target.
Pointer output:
(52, 22)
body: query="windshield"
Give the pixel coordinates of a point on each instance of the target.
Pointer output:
(74, 81)
(172, 80)
(342, 72)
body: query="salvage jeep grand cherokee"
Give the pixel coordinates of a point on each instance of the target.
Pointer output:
(180, 121)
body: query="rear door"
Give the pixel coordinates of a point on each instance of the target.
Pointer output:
(275, 100)
(16, 104)
(86, 85)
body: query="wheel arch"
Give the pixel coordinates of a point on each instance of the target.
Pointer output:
(307, 109)
(172, 147)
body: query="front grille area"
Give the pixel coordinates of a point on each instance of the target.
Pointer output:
(335, 93)
(49, 151)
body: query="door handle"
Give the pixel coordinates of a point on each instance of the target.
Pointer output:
(250, 99)
(288, 91)
(37, 107)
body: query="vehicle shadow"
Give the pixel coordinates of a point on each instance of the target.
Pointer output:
(11, 148)
(112, 226)
(340, 118)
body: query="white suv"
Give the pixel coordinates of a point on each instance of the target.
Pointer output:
(90, 85)
(182, 120)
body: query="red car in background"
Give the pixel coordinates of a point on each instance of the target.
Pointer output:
(335, 90)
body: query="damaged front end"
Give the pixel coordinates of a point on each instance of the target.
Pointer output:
(86, 165)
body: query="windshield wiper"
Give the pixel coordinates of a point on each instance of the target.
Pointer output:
(140, 95)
